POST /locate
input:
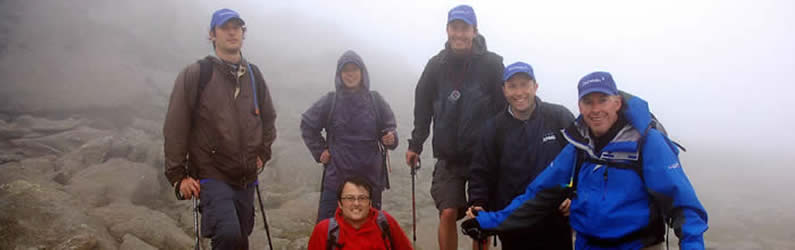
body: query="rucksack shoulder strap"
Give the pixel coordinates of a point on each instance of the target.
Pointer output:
(333, 98)
(378, 102)
(386, 233)
(333, 234)
(205, 73)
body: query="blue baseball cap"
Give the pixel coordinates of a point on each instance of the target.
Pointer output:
(599, 81)
(516, 68)
(464, 13)
(220, 17)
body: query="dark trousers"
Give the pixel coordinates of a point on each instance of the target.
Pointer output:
(328, 203)
(227, 214)
(553, 233)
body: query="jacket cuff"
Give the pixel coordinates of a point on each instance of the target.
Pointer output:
(415, 146)
(479, 203)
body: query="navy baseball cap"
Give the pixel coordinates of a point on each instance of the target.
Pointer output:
(599, 81)
(464, 13)
(220, 17)
(516, 68)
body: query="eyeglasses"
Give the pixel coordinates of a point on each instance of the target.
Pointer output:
(351, 199)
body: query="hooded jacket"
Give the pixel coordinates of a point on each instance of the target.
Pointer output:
(457, 123)
(228, 135)
(612, 202)
(368, 236)
(352, 132)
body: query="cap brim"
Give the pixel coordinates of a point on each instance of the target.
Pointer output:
(505, 79)
(597, 90)
(230, 18)
(456, 18)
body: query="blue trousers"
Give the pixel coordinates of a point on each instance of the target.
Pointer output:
(227, 214)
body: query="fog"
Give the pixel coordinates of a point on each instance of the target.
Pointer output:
(717, 73)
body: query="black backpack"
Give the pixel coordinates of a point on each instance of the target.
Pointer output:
(334, 233)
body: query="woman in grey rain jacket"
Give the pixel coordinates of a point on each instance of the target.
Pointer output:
(359, 126)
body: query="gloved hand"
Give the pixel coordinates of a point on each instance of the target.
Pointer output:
(471, 227)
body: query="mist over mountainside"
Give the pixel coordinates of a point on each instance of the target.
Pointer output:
(84, 89)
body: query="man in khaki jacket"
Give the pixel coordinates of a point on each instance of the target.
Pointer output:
(218, 134)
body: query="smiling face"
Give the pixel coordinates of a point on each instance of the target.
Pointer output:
(600, 111)
(229, 36)
(460, 35)
(520, 91)
(354, 203)
(351, 76)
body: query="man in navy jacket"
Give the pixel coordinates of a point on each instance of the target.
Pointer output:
(515, 146)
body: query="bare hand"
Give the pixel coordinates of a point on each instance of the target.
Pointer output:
(564, 207)
(259, 163)
(189, 188)
(470, 213)
(325, 157)
(411, 158)
(388, 139)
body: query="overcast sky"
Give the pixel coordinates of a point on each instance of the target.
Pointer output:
(717, 73)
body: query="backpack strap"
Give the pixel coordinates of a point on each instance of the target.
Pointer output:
(333, 235)
(205, 74)
(386, 233)
(333, 97)
(259, 91)
(377, 104)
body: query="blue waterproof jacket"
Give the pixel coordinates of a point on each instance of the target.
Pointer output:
(353, 129)
(612, 201)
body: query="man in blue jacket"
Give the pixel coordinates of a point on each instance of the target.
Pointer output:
(623, 175)
(458, 91)
(515, 146)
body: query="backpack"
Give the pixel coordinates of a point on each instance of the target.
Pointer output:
(660, 212)
(334, 232)
(378, 124)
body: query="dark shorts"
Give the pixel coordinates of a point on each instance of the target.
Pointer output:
(552, 233)
(448, 187)
(227, 214)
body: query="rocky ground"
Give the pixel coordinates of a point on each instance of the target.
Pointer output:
(85, 183)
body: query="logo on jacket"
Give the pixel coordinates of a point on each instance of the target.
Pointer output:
(675, 165)
(548, 137)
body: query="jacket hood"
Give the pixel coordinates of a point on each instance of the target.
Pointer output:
(351, 57)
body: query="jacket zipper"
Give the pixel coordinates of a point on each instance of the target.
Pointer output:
(241, 140)
(604, 189)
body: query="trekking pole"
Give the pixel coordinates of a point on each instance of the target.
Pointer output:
(414, 202)
(196, 222)
(264, 218)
